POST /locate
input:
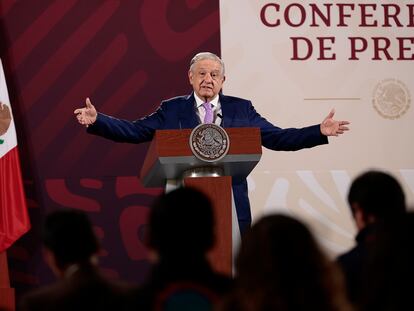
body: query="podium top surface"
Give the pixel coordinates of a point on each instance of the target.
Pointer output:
(170, 155)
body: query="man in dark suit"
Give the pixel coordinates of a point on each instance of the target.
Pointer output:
(208, 105)
(71, 251)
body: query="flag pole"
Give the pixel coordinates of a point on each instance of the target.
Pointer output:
(7, 297)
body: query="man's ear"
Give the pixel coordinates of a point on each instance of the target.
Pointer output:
(190, 77)
(360, 217)
(51, 262)
(153, 256)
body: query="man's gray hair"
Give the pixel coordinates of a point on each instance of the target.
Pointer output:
(206, 55)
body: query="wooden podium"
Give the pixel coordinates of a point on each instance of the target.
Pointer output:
(170, 157)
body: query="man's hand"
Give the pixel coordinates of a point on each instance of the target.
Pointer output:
(331, 127)
(87, 115)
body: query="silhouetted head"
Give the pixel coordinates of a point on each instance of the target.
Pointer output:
(69, 236)
(377, 194)
(181, 224)
(281, 267)
(279, 248)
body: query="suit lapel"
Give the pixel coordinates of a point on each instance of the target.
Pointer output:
(227, 110)
(187, 114)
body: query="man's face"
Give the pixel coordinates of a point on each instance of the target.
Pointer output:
(206, 78)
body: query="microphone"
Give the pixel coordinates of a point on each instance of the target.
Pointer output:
(222, 119)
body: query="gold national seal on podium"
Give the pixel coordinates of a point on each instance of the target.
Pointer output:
(209, 142)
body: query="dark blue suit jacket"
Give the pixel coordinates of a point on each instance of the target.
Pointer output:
(180, 113)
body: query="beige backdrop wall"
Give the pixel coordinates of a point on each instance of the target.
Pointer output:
(373, 94)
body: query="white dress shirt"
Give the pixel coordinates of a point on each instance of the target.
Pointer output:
(201, 112)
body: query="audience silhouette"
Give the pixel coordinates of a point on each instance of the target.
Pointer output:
(374, 198)
(389, 270)
(71, 251)
(180, 233)
(280, 267)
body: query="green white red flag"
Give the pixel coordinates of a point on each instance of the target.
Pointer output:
(14, 219)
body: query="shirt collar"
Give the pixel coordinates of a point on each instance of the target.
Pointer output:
(199, 101)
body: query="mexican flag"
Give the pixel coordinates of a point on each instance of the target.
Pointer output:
(14, 220)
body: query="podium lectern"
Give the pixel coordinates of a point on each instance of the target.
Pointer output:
(170, 157)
